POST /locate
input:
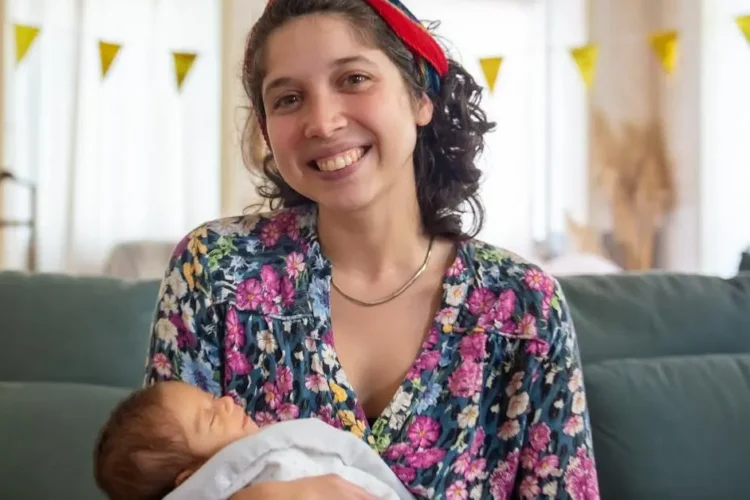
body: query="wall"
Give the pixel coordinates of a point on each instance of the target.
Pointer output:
(237, 190)
(682, 97)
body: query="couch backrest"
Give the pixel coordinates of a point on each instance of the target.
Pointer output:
(66, 329)
(667, 374)
(659, 314)
(51, 319)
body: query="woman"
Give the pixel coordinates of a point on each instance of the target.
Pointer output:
(362, 301)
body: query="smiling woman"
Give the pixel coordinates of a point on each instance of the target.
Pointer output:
(361, 300)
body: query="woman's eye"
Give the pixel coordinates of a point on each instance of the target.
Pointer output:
(286, 101)
(356, 79)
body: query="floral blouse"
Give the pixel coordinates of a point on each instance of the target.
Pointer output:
(493, 407)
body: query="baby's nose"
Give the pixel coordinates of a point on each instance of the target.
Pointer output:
(227, 403)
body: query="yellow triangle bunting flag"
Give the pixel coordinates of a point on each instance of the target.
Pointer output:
(25, 36)
(586, 58)
(665, 45)
(183, 63)
(744, 23)
(107, 54)
(491, 69)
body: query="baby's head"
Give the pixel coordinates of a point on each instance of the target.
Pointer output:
(158, 436)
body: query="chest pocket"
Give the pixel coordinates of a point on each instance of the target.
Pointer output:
(274, 366)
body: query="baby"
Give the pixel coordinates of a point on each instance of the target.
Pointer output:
(159, 436)
(174, 440)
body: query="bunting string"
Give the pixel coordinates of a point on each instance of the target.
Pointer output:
(743, 22)
(26, 36)
(107, 54)
(664, 45)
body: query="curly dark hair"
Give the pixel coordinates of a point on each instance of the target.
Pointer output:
(446, 175)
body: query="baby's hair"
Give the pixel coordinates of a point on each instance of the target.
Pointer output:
(141, 449)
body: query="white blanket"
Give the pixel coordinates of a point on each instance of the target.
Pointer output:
(287, 451)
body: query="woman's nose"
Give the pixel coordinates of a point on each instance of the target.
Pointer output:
(324, 117)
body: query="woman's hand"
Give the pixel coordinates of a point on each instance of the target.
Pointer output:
(328, 487)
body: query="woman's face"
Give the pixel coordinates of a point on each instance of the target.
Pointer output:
(341, 121)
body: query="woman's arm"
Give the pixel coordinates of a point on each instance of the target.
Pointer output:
(325, 487)
(254, 492)
(557, 458)
(185, 334)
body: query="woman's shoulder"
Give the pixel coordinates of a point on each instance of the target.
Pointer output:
(270, 231)
(498, 268)
(229, 249)
(268, 227)
(510, 291)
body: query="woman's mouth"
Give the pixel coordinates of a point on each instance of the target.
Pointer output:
(340, 161)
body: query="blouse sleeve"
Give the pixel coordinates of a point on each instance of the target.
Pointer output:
(185, 336)
(557, 458)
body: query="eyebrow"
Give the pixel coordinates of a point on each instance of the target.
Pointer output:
(343, 61)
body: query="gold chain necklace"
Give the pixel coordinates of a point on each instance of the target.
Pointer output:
(395, 294)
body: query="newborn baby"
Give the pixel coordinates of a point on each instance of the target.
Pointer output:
(176, 441)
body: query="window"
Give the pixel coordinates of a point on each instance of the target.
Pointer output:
(535, 164)
(725, 162)
(122, 158)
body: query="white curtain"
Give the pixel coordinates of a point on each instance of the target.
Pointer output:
(725, 158)
(535, 161)
(120, 159)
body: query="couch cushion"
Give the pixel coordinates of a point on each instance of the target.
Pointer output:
(745, 262)
(659, 314)
(672, 427)
(67, 329)
(48, 433)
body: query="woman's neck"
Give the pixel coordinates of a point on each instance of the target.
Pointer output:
(375, 243)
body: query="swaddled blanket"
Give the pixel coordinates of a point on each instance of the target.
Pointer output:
(287, 451)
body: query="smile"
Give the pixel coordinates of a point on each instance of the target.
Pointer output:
(341, 160)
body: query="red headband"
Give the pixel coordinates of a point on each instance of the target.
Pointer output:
(412, 33)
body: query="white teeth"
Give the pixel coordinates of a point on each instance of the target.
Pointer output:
(341, 160)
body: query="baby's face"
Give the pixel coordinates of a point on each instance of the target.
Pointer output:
(209, 423)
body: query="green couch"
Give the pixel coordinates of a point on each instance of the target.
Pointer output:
(666, 364)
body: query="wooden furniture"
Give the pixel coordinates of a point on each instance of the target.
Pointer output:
(30, 223)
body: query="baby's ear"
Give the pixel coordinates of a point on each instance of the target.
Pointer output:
(183, 476)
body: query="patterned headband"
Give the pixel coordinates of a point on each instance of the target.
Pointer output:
(432, 61)
(431, 58)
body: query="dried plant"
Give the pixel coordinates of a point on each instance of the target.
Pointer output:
(584, 238)
(633, 172)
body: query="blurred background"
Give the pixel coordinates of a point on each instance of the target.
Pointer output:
(621, 145)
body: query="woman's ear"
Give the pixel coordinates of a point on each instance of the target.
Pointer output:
(424, 110)
(183, 476)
